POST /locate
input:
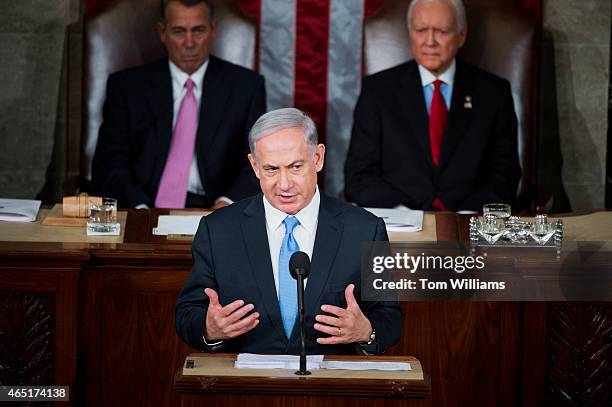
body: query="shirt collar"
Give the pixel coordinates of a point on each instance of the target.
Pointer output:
(307, 216)
(448, 76)
(179, 77)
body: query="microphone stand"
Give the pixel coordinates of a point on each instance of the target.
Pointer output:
(300, 288)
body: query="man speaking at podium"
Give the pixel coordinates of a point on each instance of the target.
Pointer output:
(240, 296)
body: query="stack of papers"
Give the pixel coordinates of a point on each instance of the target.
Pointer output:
(255, 361)
(400, 219)
(18, 210)
(177, 225)
(353, 365)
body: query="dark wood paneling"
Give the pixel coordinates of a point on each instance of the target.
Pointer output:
(137, 226)
(27, 335)
(468, 348)
(465, 342)
(534, 353)
(476, 353)
(39, 291)
(287, 401)
(510, 351)
(131, 348)
(579, 355)
(138, 345)
(446, 226)
(416, 340)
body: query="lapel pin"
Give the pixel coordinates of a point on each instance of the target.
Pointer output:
(468, 102)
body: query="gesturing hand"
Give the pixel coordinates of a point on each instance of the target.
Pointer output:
(347, 326)
(229, 321)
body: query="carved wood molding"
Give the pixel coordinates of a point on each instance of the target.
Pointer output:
(579, 354)
(26, 339)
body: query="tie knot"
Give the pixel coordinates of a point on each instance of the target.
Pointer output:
(290, 223)
(437, 84)
(189, 84)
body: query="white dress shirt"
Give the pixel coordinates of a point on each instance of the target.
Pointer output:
(179, 91)
(304, 233)
(428, 78)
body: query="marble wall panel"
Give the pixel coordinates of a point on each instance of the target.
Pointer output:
(579, 33)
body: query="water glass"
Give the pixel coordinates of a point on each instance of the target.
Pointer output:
(103, 217)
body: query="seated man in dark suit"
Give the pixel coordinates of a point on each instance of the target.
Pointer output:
(240, 296)
(175, 131)
(434, 133)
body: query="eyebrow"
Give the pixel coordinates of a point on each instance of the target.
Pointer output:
(296, 162)
(180, 27)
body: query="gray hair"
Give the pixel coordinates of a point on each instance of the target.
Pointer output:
(460, 16)
(287, 118)
(163, 5)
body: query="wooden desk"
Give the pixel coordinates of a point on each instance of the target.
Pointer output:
(100, 317)
(214, 381)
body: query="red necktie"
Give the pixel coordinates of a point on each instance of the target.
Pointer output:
(438, 115)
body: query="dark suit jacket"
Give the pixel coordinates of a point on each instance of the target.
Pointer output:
(231, 255)
(135, 136)
(389, 160)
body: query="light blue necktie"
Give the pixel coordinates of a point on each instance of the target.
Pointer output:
(287, 289)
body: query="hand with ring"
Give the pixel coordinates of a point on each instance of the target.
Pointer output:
(348, 325)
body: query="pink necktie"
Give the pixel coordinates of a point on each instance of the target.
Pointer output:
(172, 192)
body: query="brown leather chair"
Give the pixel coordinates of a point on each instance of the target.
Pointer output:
(122, 33)
(502, 38)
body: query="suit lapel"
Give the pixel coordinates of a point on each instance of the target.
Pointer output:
(459, 116)
(412, 101)
(256, 241)
(159, 98)
(327, 240)
(214, 98)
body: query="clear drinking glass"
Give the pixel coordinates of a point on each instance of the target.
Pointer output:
(103, 217)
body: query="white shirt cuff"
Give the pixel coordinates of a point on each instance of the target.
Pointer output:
(212, 344)
(225, 199)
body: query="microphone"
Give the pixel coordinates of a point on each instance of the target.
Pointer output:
(299, 264)
(299, 267)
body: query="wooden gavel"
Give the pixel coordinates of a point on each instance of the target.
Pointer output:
(78, 206)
